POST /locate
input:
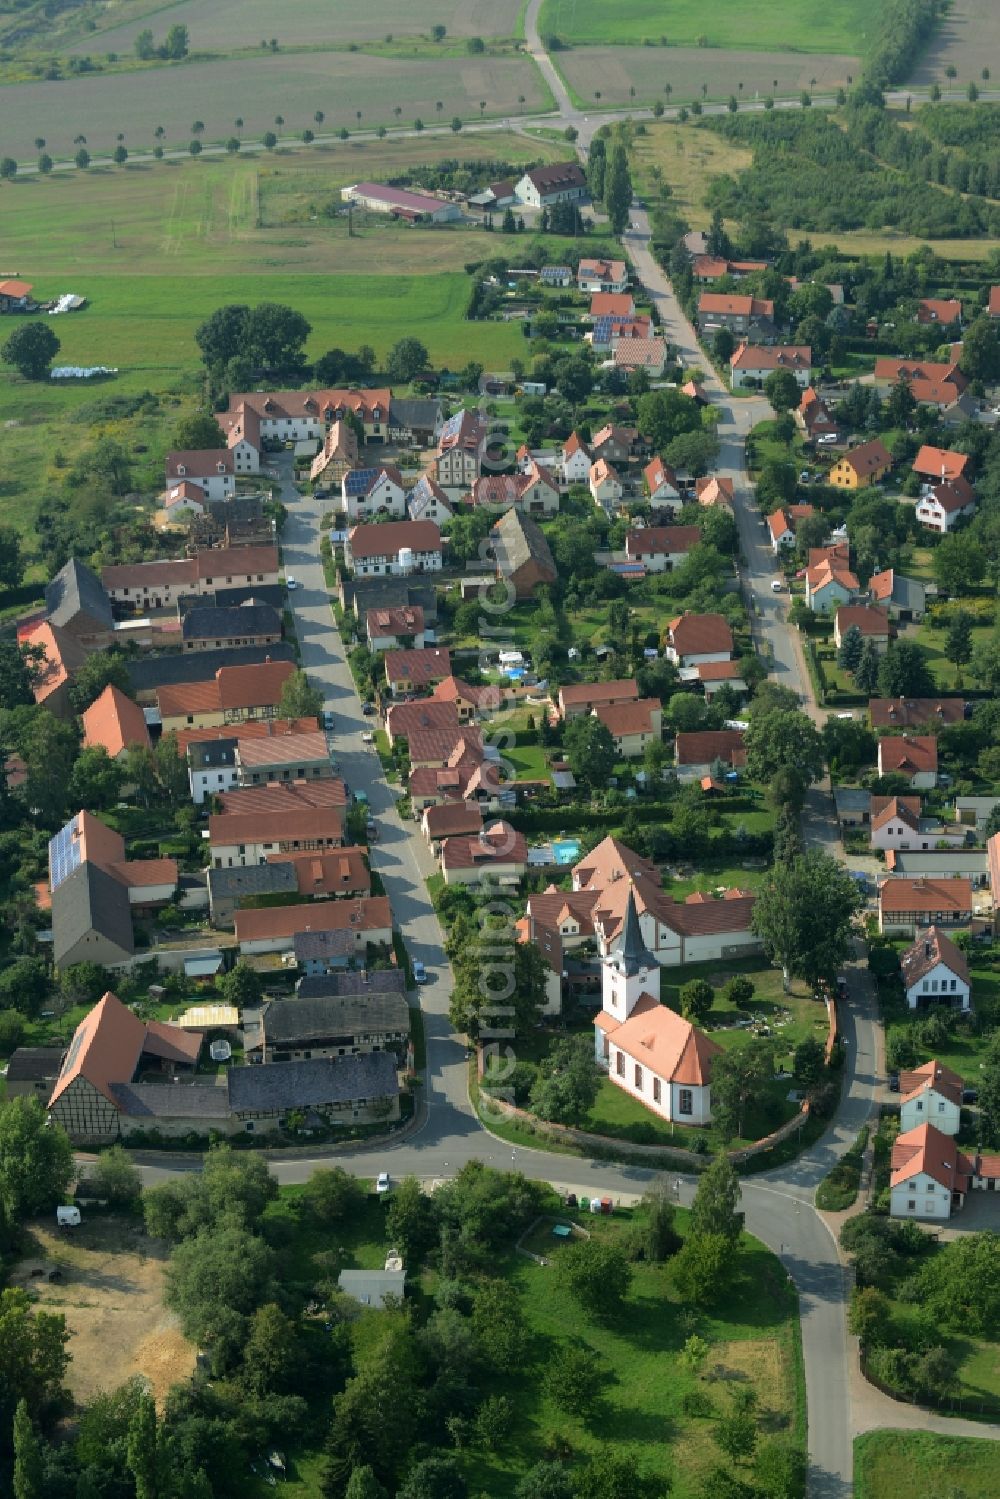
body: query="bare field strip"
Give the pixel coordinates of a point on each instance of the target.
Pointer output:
(616, 70)
(259, 89)
(219, 25)
(968, 39)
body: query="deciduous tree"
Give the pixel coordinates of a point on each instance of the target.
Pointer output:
(804, 915)
(31, 349)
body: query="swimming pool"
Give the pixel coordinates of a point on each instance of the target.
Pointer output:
(567, 851)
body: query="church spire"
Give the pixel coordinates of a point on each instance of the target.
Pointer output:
(633, 954)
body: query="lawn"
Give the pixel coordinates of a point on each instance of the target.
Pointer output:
(889, 1463)
(616, 71)
(781, 25)
(255, 212)
(528, 761)
(964, 1049)
(258, 89)
(933, 641)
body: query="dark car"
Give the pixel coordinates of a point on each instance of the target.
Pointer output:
(368, 709)
(970, 1095)
(893, 1082)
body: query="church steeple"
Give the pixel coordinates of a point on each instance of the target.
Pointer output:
(633, 955)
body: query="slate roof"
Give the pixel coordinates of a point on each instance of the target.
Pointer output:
(349, 983)
(316, 1083)
(90, 900)
(146, 673)
(520, 540)
(34, 1064)
(159, 1100)
(76, 590)
(253, 879)
(241, 622)
(287, 1022)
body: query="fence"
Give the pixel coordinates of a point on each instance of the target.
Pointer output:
(952, 1405)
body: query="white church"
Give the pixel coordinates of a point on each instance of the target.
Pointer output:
(648, 1050)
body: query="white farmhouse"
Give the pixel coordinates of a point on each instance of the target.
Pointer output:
(931, 1094)
(934, 969)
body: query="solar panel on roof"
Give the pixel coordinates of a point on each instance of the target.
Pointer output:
(359, 480)
(64, 854)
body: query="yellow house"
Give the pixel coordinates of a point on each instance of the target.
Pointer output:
(861, 466)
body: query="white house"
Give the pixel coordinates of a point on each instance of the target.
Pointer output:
(661, 482)
(650, 1051)
(914, 756)
(942, 506)
(428, 501)
(395, 548)
(930, 1175)
(933, 970)
(211, 470)
(605, 485)
(659, 549)
(368, 492)
(931, 1094)
(696, 639)
(562, 182)
(601, 275)
(576, 460)
(829, 586)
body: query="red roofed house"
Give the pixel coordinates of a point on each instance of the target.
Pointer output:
(632, 725)
(693, 639)
(535, 491)
(409, 671)
(612, 304)
(813, 416)
(873, 624)
(578, 698)
(941, 385)
(650, 1051)
(937, 310)
(930, 1175)
(696, 753)
(14, 295)
(274, 928)
(62, 656)
(751, 364)
(393, 548)
(942, 506)
(388, 629)
(714, 489)
(662, 486)
(659, 549)
(497, 853)
(295, 415)
(906, 905)
(605, 486)
(935, 969)
(404, 719)
(601, 275)
(451, 819)
(212, 470)
(114, 722)
(915, 712)
(829, 585)
(641, 353)
(739, 313)
(940, 464)
(576, 460)
(914, 757)
(235, 693)
(781, 524)
(931, 1094)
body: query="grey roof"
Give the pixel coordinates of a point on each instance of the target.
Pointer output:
(420, 413)
(518, 540)
(851, 799)
(208, 754)
(915, 861)
(240, 508)
(371, 1287)
(181, 1100)
(350, 983)
(322, 1081)
(390, 593)
(209, 623)
(633, 953)
(255, 879)
(149, 672)
(287, 1021)
(74, 590)
(261, 593)
(34, 1064)
(335, 944)
(90, 900)
(908, 593)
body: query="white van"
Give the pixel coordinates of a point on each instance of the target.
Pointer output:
(68, 1217)
(776, 585)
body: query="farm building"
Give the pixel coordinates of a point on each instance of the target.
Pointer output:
(400, 204)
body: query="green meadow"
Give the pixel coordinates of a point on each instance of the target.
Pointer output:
(779, 26)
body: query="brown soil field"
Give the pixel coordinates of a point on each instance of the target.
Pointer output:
(968, 39)
(614, 70)
(111, 1297)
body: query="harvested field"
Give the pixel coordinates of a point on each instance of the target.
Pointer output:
(616, 70)
(782, 25)
(213, 24)
(259, 89)
(246, 214)
(111, 1297)
(968, 38)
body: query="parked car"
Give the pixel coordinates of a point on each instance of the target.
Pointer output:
(776, 585)
(371, 831)
(291, 583)
(382, 1183)
(419, 973)
(368, 709)
(368, 738)
(893, 1082)
(328, 719)
(970, 1095)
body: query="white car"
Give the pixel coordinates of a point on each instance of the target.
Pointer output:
(382, 1183)
(291, 583)
(776, 585)
(368, 737)
(827, 439)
